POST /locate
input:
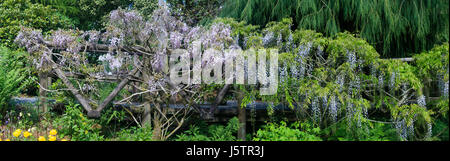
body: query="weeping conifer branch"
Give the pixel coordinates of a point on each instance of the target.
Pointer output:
(396, 28)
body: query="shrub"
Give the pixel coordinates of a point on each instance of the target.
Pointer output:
(214, 133)
(281, 132)
(367, 132)
(73, 123)
(11, 76)
(135, 134)
(16, 13)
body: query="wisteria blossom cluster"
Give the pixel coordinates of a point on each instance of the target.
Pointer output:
(62, 38)
(218, 36)
(114, 63)
(30, 39)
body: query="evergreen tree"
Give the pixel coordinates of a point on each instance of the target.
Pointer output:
(87, 14)
(195, 11)
(396, 27)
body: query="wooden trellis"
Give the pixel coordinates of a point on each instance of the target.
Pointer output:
(45, 80)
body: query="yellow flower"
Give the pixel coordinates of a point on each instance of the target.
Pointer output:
(51, 138)
(85, 132)
(17, 133)
(26, 134)
(53, 132)
(41, 138)
(63, 140)
(7, 140)
(0, 139)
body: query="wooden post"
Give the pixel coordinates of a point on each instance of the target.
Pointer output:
(242, 118)
(44, 82)
(427, 87)
(147, 120)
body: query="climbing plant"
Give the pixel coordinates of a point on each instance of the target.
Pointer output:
(341, 78)
(432, 67)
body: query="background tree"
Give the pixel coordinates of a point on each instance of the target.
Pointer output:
(195, 11)
(16, 13)
(86, 14)
(395, 27)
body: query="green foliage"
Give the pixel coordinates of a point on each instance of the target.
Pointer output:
(347, 57)
(433, 63)
(195, 12)
(214, 133)
(394, 27)
(145, 7)
(135, 134)
(241, 29)
(66, 7)
(281, 132)
(16, 13)
(368, 132)
(75, 124)
(86, 14)
(432, 66)
(440, 128)
(13, 77)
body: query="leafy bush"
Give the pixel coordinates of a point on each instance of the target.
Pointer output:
(440, 128)
(12, 76)
(367, 132)
(431, 66)
(145, 7)
(16, 13)
(73, 123)
(135, 134)
(195, 12)
(214, 133)
(281, 132)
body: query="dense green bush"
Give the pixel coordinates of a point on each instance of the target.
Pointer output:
(75, 124)
(281, 132)
(212, 133)
(12, 76)
(368, 132)
(196, 12)
(433, 67)
(135, 134)
(16, 13)
(145, 7)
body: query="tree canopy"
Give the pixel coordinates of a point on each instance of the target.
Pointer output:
(395, 27)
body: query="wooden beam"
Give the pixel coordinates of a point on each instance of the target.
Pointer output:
(219, 99)
(102, 48)
(242, 116)
(43, 84)
(84, 102)
(111, 96)
(403, 59)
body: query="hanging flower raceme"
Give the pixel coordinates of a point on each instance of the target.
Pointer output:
(29, 38)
